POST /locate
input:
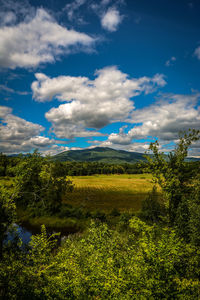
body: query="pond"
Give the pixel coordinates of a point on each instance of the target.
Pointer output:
(25, 231)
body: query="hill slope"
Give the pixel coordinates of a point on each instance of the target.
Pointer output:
(100, 154)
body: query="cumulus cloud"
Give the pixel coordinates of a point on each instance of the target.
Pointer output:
(38, 40)
(111, 19)
(91, 104)
(164, 120)
(108, 12)
(14, 128)
(19, 135)
(121, 138)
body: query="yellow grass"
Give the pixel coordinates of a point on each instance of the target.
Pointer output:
(105, 192)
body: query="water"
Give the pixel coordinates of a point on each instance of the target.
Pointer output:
(25, 231)
(21, 232)
(24, 234)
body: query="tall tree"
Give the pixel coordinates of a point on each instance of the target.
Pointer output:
(172, 172)
(7, 212)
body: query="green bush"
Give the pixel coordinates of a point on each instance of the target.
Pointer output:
(152, 208)
(148, 263)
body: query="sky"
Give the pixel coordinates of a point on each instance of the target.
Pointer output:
(109, 73)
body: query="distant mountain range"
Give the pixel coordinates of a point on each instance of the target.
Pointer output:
(105, 155)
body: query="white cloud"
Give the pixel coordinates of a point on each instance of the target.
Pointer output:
(133, 147)
(120, 139)
(19, 135)
(197, 52)
(38, 40)
(92, 103)
(13, 11)
(108, 12)
(53, 150)
(170, 61)
(72, 10)
(164, 120)
(111, 19)
(4, 111)
(14, 128)
(8, 18)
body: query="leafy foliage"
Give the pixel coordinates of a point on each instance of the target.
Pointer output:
(152, 208)
(41, 184)
(173, 175)
(7, 213)
(149, 263)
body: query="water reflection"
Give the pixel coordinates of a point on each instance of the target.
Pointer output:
(25, 231)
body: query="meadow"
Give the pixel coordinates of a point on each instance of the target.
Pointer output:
(96, 193)
(123, 192)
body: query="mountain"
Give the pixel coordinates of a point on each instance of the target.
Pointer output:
(100, 154)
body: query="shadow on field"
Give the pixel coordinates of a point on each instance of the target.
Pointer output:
(105, 199)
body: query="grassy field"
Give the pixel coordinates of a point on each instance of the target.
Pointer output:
(105, 192)
(93, 193)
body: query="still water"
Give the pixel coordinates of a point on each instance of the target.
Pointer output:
(25, 231)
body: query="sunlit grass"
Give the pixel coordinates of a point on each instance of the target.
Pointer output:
(104, 192)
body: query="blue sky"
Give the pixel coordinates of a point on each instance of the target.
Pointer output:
(84, 73)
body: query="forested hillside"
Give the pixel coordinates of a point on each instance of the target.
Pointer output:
(100, 154)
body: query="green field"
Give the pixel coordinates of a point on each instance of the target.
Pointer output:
(106, 192)
(94, 193)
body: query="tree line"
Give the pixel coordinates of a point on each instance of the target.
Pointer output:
(8, 166)
(73, 168)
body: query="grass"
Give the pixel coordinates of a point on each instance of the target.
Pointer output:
(94, 193)
(104, 192)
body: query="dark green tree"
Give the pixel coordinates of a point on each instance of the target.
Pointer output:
(3, 164)
(172, 172)
(41, 184)
(28, 179)
(53, 187)
(7, 212)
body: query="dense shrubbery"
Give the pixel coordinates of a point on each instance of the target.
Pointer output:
(148, 263)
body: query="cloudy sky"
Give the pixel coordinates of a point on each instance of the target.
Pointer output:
(87, 73)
